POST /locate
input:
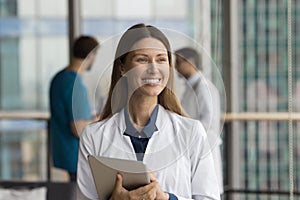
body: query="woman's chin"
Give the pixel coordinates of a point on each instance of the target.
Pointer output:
(150, 90)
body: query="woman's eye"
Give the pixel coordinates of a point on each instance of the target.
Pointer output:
(162, 60)
(142, 60)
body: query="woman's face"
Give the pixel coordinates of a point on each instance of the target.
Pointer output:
(147, 67)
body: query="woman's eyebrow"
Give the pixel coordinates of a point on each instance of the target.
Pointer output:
(139, 54)
(162, 54)
(144, 54)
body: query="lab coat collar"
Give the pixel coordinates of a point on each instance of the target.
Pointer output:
(120, 119)
(147, 131)
(195, 78)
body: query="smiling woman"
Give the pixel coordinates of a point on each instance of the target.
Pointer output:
(143, 121)
(147, 68)
(134, 42)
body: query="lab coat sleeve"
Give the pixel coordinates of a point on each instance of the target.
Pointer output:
(205, 103)
(197, 197)
(85, 179)
(204, 179)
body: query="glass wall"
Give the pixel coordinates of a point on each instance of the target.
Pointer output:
(264, 54)
(31, 32)
(263, 88)
(33, 46)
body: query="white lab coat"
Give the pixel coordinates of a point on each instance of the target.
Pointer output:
(178, 153)
(201, 101)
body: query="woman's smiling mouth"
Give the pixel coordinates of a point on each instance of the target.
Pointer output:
(151, 80)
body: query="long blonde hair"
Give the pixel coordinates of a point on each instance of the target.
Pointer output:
(117, 97)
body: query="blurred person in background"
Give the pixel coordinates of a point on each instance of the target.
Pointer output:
(69, 105)
(201, 101)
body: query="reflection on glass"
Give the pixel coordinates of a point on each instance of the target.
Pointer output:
(23, 146)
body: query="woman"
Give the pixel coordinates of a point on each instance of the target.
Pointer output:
(142, 120)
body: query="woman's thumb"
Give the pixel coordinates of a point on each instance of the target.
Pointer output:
(119, 180)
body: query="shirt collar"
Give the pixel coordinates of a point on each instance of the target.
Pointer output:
(147, 131)
(194, 78)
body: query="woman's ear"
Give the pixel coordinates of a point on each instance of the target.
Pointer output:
(122, 68)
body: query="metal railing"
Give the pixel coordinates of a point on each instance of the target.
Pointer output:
(277, 118)
(264, 160)
(32, 115)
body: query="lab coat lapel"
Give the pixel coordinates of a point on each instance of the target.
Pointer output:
(164, 147)
(118, 129)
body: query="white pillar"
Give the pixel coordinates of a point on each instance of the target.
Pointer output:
(202, 33)
(232, 83)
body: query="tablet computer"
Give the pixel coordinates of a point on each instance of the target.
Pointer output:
(104, 170)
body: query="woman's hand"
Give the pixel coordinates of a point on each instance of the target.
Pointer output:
(147, 192)
(160, 194)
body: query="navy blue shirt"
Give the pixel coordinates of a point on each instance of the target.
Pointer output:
(140, 140)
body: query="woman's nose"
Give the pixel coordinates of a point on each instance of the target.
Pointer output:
(151, 68)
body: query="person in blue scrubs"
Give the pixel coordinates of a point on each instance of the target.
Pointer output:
(69, 106)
